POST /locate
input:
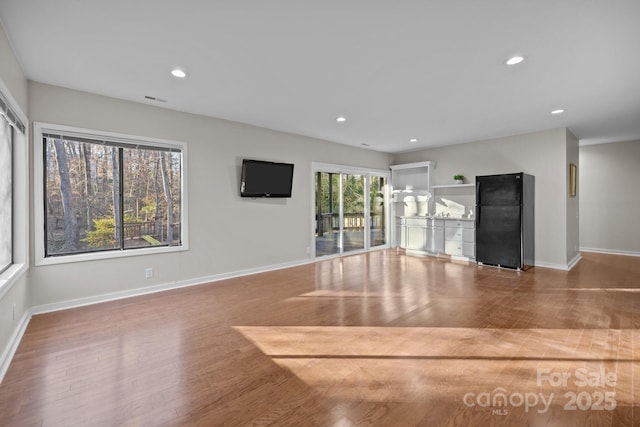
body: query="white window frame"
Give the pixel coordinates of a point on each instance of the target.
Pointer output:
(39, 129)
(20, 199)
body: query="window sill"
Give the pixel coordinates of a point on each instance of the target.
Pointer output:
(65, 259)
(10, 276)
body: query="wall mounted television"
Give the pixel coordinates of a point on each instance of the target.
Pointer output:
(266, 179)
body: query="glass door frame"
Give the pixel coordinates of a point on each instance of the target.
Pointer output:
(366, 173)
(386, 211)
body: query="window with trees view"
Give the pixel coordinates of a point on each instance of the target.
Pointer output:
(6, 194)
(110, 195)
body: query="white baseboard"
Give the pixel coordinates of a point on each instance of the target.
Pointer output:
(551, 265)
(574, 261)
(564, 267)
(14, 341)
(81, 302)
(12, 345)
(610, 251)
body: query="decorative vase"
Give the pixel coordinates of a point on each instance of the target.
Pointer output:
(459, 181)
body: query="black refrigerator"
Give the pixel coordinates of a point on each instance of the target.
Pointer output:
(505, 220)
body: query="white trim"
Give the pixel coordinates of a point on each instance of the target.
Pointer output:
(312, 210)
(564, 267)
(550, 265)
(92, 256)
(473, 261)
(610, 251)
(453, 186)
(428, 163)
(12, 345)
(38, 193)
(14, 104)
(574, 261)
(10, 276)
(354, 170)
(99, 135)
(113, 296)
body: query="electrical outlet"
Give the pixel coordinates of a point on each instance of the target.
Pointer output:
(148, 273)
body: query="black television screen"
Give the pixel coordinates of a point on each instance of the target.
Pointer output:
(266, 179)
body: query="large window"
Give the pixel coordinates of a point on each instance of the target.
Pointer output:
(6, 194)
(13, 192)
(106, 193)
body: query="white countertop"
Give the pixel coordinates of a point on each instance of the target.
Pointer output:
(438, 217)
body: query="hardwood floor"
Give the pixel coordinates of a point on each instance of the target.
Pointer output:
(378, 339)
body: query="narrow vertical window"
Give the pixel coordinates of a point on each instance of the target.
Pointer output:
(151, 197)
(6, 194)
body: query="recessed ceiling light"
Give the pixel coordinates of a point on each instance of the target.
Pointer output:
(413, 140)
(514, 60)
(177, 72)
(341, 119)
(558, 111)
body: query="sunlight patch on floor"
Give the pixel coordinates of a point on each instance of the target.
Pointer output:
(420, 364)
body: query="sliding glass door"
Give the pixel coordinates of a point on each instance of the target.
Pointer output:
(327, 213)
(353, 212)
(349, 209)
(377, 209)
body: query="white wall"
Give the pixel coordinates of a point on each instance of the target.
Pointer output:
(13, 81)
(541, 154)
(609, 197)
(11, 73)
(227, 233)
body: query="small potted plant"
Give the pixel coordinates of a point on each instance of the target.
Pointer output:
(459, 179)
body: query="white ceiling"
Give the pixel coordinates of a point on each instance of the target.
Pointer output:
(426, 69)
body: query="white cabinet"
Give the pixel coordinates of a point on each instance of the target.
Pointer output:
(452, 239)
(399, 236)
(436, 236)
(423, 235)
(411, 184)
(411, 177)
(414, 230)
(469, 242)
(419, 233)
(459, 238)
(433, 236)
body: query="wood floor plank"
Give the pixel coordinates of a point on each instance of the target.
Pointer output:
(378, 339)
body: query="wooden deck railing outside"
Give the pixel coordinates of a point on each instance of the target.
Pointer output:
(351, 221)
(158, 230)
